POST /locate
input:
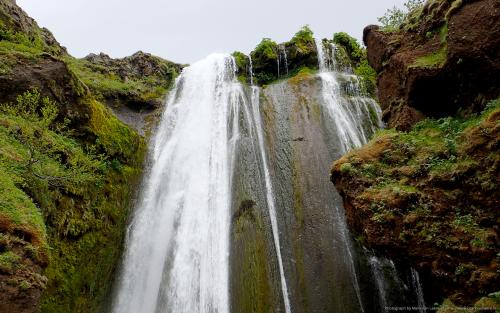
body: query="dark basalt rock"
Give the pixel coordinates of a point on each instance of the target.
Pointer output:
(448, 61)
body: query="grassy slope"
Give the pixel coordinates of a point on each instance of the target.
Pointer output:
(64, 201)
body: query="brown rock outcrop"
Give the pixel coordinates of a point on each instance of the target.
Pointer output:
(443, 60)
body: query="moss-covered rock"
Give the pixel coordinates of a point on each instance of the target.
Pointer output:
(272, 61)
(429, 199)
(443, 59)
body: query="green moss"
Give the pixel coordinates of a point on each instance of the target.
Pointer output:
(255, 292)
(437, 58)
(9, 261)
(436, 182)
(351, 46)
(368, 78)
(107, 83)
(346, 168)
(71, 196)
(241, 59)
(304, 40)
(266, 48)
(117, 139)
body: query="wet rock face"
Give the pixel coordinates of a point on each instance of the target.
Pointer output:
(448, 60)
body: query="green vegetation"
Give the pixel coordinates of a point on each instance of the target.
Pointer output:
(354, 50)
(242, 64)
(106, 82)
(68, 167)
(436, 182)
(267, 48)
(304, 40)
(357, 59)
(75, 193)
(438, 58)
(394, 18)
(9, 261)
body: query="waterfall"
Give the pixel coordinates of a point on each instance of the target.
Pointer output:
(282, 57)
(348, 113)
(176, 258)
(269, 195)
(250, 69)
(282, 52)
(417, 287)
(179, 240)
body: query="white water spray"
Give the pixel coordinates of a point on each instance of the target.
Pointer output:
(178, 244)
(347, 116)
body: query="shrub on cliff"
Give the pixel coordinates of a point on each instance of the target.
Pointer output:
(429, 199)
(395, 17)
(304, 40)
(267, 48)
(351, 46)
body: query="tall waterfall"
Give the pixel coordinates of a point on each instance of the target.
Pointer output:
(178, 243)
(237, 209)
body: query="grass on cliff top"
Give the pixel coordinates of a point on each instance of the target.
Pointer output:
(15, 45)
(110, 84)
(304, 39)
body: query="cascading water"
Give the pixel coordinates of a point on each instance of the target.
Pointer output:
(178, 244)
(269, 194)
(346, 116)
(346, 112)
(282, 59)
(417, 287)
(217, 154)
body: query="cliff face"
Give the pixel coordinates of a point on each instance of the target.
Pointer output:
(134, 87)
(428, 197)
(446, 58)
(68, 165)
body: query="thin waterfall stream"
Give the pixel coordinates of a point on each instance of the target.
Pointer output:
(270, 195)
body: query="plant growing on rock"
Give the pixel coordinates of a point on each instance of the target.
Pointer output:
(266, 48)
(304, 39)
(395, 17)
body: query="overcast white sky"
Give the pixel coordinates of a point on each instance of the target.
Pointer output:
(187, 30)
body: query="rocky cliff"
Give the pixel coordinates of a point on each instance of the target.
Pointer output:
(68, 164)
(428, 197)
(444, 59)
